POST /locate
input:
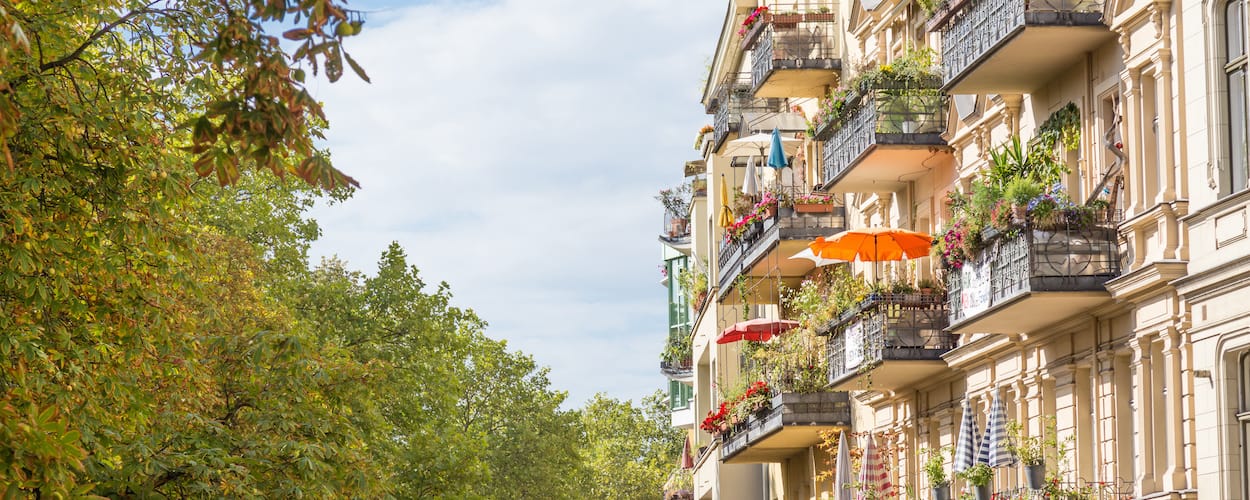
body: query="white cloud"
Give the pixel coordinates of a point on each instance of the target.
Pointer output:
(513, 148)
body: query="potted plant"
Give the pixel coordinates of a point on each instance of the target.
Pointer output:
(1020, 191)
(978, 477)
(767, 206)
(1031, 450)
(927, 286)
(934, 469)
(676, 203)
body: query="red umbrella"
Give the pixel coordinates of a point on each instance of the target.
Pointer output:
(758, 330)
(686, 461)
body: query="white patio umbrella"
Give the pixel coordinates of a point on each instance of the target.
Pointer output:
(759, 145)
(873, 475)
(966, 445)
(750, 185)
(994, 452)
(818, 260)
(842, 473)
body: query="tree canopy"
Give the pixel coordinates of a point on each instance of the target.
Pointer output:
(163, 334)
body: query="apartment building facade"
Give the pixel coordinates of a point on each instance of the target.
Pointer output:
(1126, 332)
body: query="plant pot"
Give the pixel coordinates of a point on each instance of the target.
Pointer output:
(677, 227)
(785, 212)
(942, 492)
(982, 492)
(812, 17)
(1019, 213)
(770, 211)
(812, 208)
(1036, 476)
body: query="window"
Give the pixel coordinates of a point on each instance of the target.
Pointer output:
(1243, 418)
(1235, 36)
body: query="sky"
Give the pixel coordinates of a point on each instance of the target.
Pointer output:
(514, 149)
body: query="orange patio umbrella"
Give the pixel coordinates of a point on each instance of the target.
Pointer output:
(873, 244)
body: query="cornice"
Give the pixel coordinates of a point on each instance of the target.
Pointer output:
(1151, 278)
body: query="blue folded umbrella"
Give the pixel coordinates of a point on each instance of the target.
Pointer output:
(777, 154)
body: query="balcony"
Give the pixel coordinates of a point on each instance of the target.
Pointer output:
(889, 342)
(1022, 282)
(793, 424)
(887, 136)
(1014, 46)
(795, 55)
(682, 369)
(767, 247)
(682, 418)
(735, 109)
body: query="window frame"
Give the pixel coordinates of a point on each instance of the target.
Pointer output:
(1230, 172)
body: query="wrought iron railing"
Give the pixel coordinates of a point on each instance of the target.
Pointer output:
(889, 327)
(735, 254)
(1030, 259)
(1089, 490)
(899, 114)
(732, 99)
(980, 26)
(799, 45)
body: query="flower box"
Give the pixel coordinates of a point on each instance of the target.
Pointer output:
(784, 20)
(813, 208)
(812, 17)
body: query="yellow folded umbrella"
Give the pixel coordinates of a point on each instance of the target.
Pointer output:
(726, 215)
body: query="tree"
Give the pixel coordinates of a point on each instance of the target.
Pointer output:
(629, 450)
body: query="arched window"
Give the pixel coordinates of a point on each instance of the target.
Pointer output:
(1235, 44)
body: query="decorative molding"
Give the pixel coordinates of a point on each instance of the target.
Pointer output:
(1151, 278)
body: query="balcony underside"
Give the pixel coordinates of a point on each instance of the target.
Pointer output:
(890, 164)
(892, 375)
(1028, 58)
(792, 425)
(799, 78)
(781, 444)
(1031, 311)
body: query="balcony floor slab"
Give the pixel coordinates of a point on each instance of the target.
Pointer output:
(890, 375)
(1028, 59)
(1030, 312)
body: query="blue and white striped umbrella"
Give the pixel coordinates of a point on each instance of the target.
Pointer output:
(969, 437)
(994, 452)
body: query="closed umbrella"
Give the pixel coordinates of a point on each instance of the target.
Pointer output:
(873, 475)
(842, 473)
(726, 215)
(749, 185)
(687, 460)
(966, 445)
(994, 452)
(776, 152)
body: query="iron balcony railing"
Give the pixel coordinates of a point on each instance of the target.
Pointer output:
(888, 327)
(788, 409)
(798, 45)
(735, 256)
(1033, 259)
(978, 27)
(677, 369)
(1091, 490)
(732, 99)
(888, 115)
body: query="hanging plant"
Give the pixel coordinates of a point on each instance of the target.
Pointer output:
(1062, 125)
